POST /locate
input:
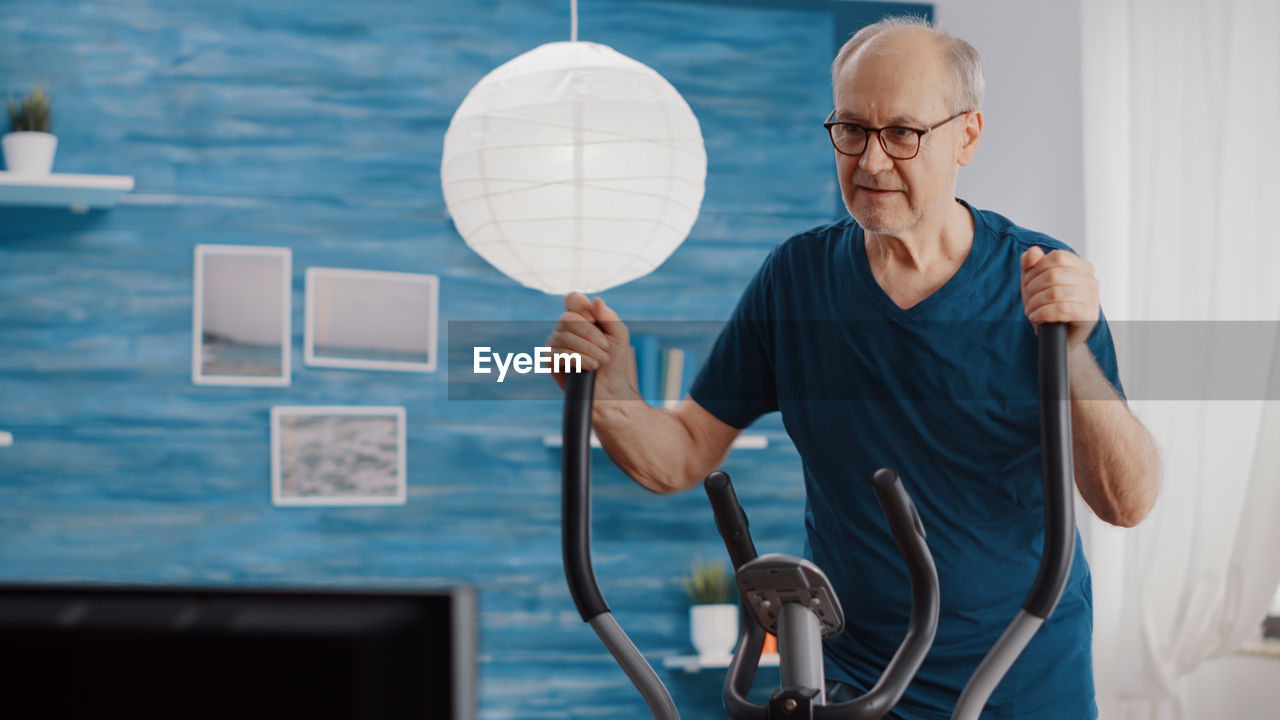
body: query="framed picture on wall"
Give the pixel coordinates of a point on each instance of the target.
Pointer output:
(337, 455)
(240, 324)
(371, 320)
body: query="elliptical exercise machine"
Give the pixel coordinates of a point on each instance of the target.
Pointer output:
(791, 596)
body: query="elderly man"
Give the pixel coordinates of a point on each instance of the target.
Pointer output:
(903, 336)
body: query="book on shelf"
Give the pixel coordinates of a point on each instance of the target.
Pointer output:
(648, 367)
(672, 375)
(690, 370)
(663, 375)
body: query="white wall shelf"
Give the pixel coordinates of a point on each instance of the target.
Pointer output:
(79, 193)
(742, 442)
(697, 663)
(1265, 646)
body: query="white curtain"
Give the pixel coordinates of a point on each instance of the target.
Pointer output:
(1181, 107)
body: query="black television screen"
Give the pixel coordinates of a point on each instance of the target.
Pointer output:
(152, 652)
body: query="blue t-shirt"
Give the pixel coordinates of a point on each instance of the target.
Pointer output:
(944, 392)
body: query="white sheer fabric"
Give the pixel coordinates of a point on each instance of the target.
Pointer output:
(1182, 198)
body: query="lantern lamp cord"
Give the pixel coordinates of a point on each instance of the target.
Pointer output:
(573, 21)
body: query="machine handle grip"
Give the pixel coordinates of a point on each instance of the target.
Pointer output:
(575, 510)
(742, 673)
(908, 532)
(1054, 384)
(1059, 475)
(904, 519)
(731, 521)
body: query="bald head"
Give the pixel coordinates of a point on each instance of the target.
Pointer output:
(896, 84)
(914, 43)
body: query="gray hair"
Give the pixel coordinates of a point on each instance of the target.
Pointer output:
(965, 94)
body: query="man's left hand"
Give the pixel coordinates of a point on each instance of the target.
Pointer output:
(1060, 288)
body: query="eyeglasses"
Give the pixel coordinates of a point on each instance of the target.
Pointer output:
(901, 143)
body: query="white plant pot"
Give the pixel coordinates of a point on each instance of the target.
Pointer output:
(714, 629)
(29, 153)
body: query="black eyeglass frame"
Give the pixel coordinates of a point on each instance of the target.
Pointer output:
(879, 137)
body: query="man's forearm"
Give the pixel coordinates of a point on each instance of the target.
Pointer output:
(1116, 463)
(650, 445)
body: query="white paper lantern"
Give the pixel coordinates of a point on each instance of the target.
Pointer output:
(573, 167)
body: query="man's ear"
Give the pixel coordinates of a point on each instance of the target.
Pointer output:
(970, 136)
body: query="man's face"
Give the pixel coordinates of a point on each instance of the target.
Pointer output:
(899, 78)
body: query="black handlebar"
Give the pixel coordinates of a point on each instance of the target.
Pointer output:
(742, 672)
(575, 510)
(908, 531)
(731, 521)
(1059, 477)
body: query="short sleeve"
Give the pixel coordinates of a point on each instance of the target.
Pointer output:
(736, 383)
(1099, 340)
(1104, 352)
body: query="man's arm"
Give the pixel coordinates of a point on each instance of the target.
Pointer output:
(1117, 466)
(665, 451)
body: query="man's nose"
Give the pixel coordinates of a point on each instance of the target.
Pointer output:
(874, 159)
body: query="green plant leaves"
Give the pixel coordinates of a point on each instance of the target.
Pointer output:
(709, 582)
(33, 113)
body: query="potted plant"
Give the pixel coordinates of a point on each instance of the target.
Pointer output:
(29, 148)
(713, 617)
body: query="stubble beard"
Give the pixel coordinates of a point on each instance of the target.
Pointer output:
(881, 222)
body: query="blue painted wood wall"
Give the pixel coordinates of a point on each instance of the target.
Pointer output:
(317, 126)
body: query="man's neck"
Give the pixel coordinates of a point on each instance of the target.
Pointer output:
(933, 249)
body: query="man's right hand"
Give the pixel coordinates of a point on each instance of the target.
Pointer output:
(593, 330)
(664, 450)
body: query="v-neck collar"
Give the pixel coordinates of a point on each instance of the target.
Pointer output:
(958, 279)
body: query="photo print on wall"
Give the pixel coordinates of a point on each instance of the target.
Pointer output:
(337, 455)
(371, 320)
(240, 320)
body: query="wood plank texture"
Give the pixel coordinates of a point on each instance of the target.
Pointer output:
(318, 126)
